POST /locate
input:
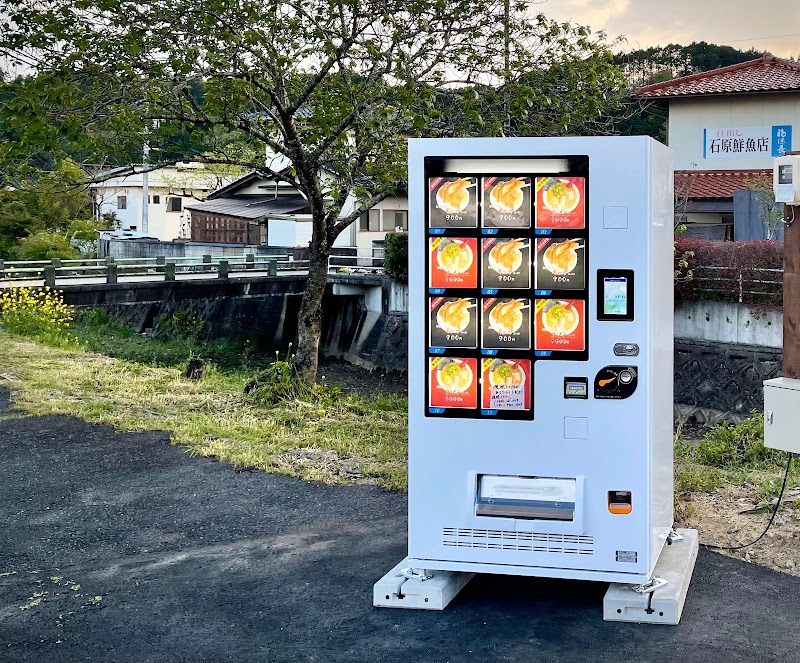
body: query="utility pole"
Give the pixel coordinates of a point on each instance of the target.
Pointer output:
(145, 189)
(791, 291)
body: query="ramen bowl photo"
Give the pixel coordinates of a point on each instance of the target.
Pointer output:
(560, 318)
(454, 257)
(507, 197)
(454, 376)
(453, 317)
(506, 257)
(506, 373)
(453, 197)
(561, 258)
(506, 317)
(560, 196)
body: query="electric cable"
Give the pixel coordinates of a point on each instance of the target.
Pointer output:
(771, 520)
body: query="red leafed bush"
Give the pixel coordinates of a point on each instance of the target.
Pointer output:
(750, 272)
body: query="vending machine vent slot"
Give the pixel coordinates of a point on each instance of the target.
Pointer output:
(490, 539)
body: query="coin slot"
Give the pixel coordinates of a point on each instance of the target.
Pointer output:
(620, 502)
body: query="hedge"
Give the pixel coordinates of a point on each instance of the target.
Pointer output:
(396, 256)
(749, 271)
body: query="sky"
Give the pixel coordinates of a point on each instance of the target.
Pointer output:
(766, 25)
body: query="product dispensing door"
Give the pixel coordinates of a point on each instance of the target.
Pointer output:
(540, 360)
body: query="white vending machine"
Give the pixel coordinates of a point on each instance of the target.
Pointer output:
(541, 356)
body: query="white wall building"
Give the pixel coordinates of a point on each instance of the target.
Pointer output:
(257, 207)
(726, 126)
(170, 189)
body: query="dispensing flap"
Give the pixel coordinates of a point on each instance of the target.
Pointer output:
(526, 497)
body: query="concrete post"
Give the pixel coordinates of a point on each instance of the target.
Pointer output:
(250, 260)
(223, 269)
(111, 273)
(50, 276)
(272, 267)
(109, 261)
(169, 271)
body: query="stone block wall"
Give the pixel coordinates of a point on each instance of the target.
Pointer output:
(715, 381)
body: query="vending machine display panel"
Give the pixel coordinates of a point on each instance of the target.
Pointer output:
(506, 258)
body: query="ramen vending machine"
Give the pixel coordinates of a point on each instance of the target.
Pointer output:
(540, 356)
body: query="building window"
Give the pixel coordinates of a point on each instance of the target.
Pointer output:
(363, 222)
(122, 202)
(174, 204)
(156, 200)
(394, 219)
(374, 220)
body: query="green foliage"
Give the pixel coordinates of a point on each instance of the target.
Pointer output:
(330, 89)
(279, 383)
(38, 313)
(396, 256)
(729, 445)
(44, 206)
(183, 324)
(43, 246)
(646, 66)
(344, 90)
(97, 332)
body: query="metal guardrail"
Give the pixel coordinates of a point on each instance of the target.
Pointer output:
(349, 259)
(356, 260)
(159, 268)
(737, 282)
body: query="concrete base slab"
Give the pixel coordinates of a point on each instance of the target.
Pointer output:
(395, 590)
(665, 604)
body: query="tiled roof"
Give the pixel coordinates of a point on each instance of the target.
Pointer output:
(252, 207)
(705, 184)
(766, 74)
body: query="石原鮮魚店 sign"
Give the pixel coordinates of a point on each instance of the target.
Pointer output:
(739, 142)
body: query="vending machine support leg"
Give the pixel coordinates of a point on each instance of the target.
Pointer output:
(661, 600)
(406, 587)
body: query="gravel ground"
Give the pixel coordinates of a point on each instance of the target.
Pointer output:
(118, 547)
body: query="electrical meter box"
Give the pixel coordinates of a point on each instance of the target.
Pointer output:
(786, 179)
(782, 414)
(541, 356)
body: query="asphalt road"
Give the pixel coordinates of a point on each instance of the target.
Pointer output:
(118, 547)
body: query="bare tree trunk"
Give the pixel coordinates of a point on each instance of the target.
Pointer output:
(309, 321)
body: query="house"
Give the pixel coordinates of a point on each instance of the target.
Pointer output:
(169, 190)
(258, 209)
(726, 126)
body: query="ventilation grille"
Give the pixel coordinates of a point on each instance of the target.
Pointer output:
(499, 539)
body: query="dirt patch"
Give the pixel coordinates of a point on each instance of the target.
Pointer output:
(734, 515)
(310, 460)
(363, 381)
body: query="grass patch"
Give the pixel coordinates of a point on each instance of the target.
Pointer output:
(732, 455)
(95, 331)
(343, 439)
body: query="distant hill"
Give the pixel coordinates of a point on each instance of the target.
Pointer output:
(656, 64)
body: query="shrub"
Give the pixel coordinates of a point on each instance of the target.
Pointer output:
(279, 383)
(726, 271)
(396, 256)
(39, 313)
(737, 445)
(45, 246)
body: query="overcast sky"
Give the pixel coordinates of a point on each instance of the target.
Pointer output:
(766, 25)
